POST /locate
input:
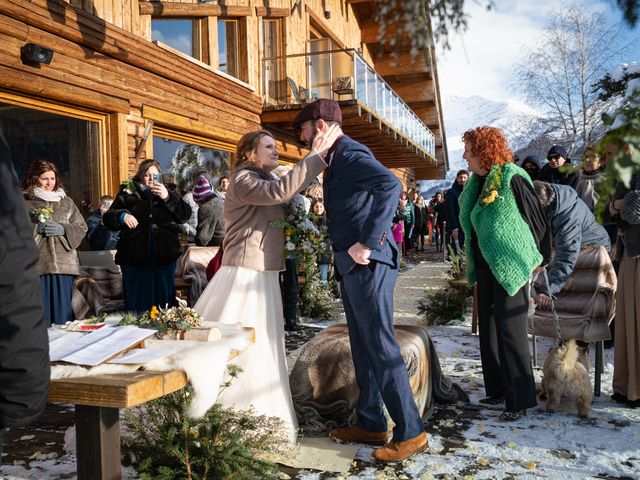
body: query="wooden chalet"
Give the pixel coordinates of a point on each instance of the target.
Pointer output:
(97, 85)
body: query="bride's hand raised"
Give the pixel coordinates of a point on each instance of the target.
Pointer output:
(324, 140)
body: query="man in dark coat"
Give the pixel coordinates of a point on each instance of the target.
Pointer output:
(573, 226)
(452, 211)
(361, 196)
(552, 173)
(24, 346)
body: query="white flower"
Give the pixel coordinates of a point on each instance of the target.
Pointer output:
(290, 246)
(41, 218)
(307, 246)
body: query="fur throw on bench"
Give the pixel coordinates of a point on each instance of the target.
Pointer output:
(586, 304)
(323, 383)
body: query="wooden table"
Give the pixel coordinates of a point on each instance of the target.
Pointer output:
(98, 400)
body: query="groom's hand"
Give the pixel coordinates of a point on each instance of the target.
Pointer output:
(360, 253)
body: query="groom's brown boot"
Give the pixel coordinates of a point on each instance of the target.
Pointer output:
(397, 451)
(358, 435)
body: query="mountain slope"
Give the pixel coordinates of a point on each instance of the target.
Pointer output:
(463, 112)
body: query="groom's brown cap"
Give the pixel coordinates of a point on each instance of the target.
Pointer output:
(323, 108)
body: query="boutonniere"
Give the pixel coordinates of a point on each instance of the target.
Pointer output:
(42, 214)
(128, 186)
(491, 191)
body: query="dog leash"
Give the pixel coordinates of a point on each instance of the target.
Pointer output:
(556, 320)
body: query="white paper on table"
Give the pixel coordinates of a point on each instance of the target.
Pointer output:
(100, 345)
(61, 341)
(143, 355)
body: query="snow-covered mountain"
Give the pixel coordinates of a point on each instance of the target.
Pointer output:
(464, 112)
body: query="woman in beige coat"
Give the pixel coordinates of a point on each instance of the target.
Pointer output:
(245, 290)
(58, 229)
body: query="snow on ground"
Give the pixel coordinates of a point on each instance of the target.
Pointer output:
(468, 441)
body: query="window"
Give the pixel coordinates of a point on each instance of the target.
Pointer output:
(178, 34)
(72, 144)
(272, 38)
(181, 160)
(228, 49)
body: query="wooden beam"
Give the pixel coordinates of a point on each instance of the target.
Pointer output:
(415, 94)
(23, 81)
(86, 30)
(175, 9)
(202, 127)
(402, 63)
(272, 12)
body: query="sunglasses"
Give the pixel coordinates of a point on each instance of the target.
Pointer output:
(554, 157)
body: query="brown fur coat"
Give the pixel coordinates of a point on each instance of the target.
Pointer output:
(58, 253)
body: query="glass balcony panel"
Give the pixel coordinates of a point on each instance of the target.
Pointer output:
(326, 73)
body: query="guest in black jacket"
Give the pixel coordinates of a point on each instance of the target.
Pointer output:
(532, 164)
(452, 211)
(24, 347)
(552, 171)
(147, 215)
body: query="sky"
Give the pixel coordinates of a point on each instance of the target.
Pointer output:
(481, 59)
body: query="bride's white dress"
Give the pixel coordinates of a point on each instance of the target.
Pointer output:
(252, 298)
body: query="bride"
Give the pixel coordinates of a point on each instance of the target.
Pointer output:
(245, 289)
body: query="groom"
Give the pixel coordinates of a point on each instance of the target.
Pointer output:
(360, 198)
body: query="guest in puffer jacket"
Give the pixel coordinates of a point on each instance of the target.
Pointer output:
(147, 215)
(58, 229)
(573, 227)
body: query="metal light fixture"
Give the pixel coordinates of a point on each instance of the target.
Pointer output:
(35, 55)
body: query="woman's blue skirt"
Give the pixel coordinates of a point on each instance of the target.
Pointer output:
(145, 287)
(56, 297)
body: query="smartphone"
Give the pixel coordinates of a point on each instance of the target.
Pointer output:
(156, 177)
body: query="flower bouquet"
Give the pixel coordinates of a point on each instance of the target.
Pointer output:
(128, 186)
(301, 236)
(171, 323)
(307, 242)
(42, 214)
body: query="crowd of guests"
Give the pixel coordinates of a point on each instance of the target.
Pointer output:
(548, 212)
(146, 221)
(145, 224)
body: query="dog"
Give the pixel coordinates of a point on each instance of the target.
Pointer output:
(565, 375)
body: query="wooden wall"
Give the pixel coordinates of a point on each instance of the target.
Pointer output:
(104, 61)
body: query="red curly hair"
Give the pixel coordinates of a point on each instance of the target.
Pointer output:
(490, 145)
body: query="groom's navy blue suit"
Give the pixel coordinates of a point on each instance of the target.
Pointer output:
(361, 197)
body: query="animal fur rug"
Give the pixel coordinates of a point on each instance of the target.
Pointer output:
(323, 383)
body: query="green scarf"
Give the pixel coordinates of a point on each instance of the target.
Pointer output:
(504, 237)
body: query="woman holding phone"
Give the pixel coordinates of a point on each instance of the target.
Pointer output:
(148, 216)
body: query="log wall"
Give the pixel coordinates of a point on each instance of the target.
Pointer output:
(104, 61)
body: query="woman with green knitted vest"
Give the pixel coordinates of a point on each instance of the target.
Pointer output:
(506, 239)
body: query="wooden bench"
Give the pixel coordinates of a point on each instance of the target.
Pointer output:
(98, 400)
